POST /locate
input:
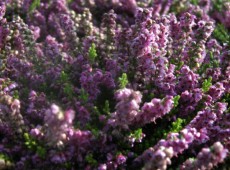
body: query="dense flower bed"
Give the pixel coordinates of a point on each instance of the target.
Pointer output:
(114, 84)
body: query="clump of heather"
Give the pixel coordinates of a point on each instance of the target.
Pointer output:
(207, 158)
(105, 85)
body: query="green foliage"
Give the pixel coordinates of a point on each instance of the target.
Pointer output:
(203, 68)
(106, 108)
(29, 142)
(194, 2)
(137, 134)
(123, 80)
(35, 4)
(90, 160)
(176, 100)
(16, 94)
(68, 90)
(95, 132)
(221, 34)
(5, 162)
(207, 84)
(24, 92)
(181, 63)
(33, 145)
(96, 110)
(93, 129)
(4, 157)
(43, 87)
(177, 125)
(67, 87)
(160, 132)
(84, 95)
(41, 151)
(226, 98)
(177, 6)
(149, 141)
(219, 4)
(92, 53)
(64, 77)
(213, 63)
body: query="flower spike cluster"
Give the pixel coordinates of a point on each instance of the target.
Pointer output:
(114, 84)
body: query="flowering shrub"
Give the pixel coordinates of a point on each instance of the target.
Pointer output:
(105, 85)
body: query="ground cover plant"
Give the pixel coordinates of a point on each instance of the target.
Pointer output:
(114, 84)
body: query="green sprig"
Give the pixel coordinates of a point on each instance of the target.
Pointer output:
(106, 108)
(64, 77)
(177, 125)
(90, 159)
(176, 100)
(221, 34)
(218, 4)
(33, 145)
(123, 80)
(137, 134)
(92, 53)
(83, 95)
(68, 90)
(35, 4)
(194, 2)
(207, 84)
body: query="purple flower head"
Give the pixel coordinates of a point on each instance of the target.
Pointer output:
(72, 53)
(102, 167)
(187, 21)
(121, 159)
(66, 23)
(15, 106)
(52, 48)
(127, 108)
(69, 116)
(2, 10)
(207, 158)
(216, 91)
(155, 109)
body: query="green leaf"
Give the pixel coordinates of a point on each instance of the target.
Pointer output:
(92, 53)
(123, 80)
(181, 63)
(64, 77)
(35, 4)
(221, 34)
(4, 157)
(26, 136)
(5, 162)
(29, 141)
(83, 95)
(137, 134)
(16, 94)
(89, 159)
(106, 108)
(213, 63)
(96, 110)
(68, 90)
(34, 146)
(219, 4)
(207, 84)
(95, 132)
(41, 151)
(194, 2)
(177, 125)
(176, 100)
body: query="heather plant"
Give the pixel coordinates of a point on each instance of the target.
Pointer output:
(105, 85)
